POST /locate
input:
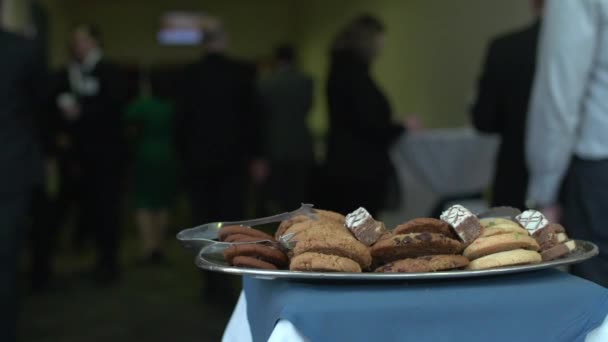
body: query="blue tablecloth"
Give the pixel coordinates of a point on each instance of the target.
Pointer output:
(540, 306)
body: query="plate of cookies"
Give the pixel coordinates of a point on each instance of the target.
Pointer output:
(315, 244)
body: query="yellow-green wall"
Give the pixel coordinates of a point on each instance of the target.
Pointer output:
(430, 66)
(433, 54)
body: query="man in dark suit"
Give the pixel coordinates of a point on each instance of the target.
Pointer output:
(90, 96)
(217, 134)
(502, 105)
(22, 70)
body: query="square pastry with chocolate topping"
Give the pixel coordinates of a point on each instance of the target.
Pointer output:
(466, 225)
(364, 227)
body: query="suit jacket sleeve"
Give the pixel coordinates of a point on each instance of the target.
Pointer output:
(183, 112)
(252, 130)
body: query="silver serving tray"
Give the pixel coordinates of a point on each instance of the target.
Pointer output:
(215, 262)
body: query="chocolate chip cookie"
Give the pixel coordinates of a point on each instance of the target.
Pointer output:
(332, 243)
(431, 263)
(316, 262)
(322, 216)
(413, 245)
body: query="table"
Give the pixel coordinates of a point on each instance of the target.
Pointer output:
(440, 164)
(239, 328)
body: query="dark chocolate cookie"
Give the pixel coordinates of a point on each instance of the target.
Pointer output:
(244, 238)
(226, 231)
(266, 253)
(251, 262)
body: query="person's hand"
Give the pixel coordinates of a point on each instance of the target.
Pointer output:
(63, 141)
(71, 113)
(553, 213)
(412, 123)
(260, 170)
(69, 106)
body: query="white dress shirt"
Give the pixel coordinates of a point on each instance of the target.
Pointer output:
(568, 112)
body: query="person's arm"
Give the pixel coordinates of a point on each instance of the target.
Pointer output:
(184, 112)
(566, 54)
(485, 113)
(367, 121)
(253, 115)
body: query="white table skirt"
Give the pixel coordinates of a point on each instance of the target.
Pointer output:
(451, 161)
(238, 329)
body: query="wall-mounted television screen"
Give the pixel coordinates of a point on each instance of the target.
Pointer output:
(181, 28)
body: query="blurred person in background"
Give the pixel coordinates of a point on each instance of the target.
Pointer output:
(287, 96)
(91, 93)
(23, 74)
(567, 140)
(361, 128)
(218, 137)
(155, 171)
(502, 104)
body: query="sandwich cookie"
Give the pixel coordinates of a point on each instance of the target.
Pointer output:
(508, 258)
(264, 253)
(497, 226)
(499, 243)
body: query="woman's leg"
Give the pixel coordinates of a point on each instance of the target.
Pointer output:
(147, 230)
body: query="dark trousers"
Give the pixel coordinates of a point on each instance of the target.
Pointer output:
(585, 200)
(43, 235)
(13, 210)
(49, 215)
(101, 208)
(218, 193)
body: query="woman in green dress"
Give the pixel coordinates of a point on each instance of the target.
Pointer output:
(155, 173)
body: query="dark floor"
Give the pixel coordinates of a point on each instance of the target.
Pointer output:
(149, 304)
